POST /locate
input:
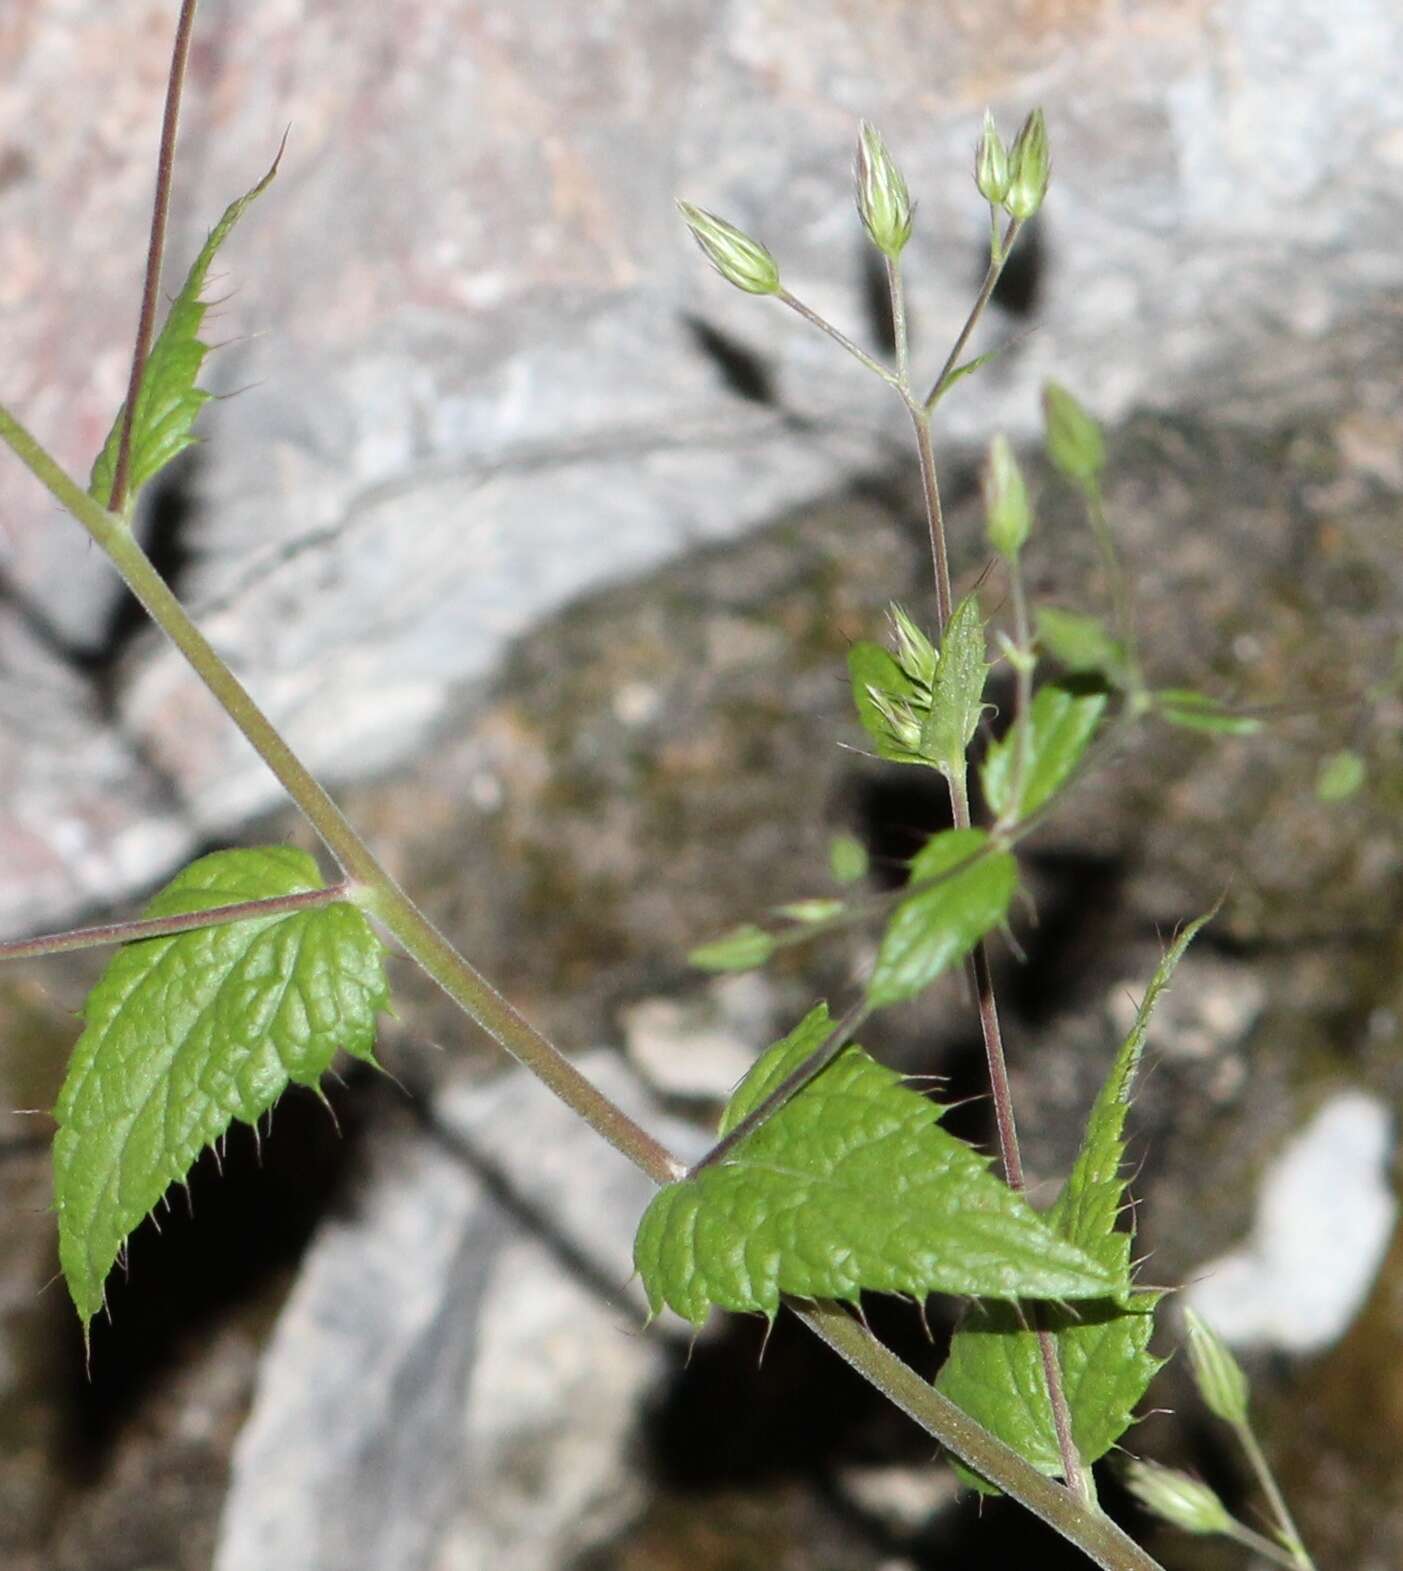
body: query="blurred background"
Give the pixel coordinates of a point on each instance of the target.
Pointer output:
(547, 548)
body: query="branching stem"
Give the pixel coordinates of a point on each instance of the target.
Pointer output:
(998, 260)
(1292, 1542)
(981, 975)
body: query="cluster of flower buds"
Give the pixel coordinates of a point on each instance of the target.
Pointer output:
(1014, 178)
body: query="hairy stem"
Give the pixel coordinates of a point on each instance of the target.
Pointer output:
(164, 926)
(817, 1061)
(935, 517)
(980, 973)
(839, 338)
(896, 290)
(381, 895)
(156, 247)
(1285, 1524)
(1074, 1518)
(1117, 581)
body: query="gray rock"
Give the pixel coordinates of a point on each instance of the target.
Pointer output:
(457, 1375)
(1326, 1211)
(478, 390)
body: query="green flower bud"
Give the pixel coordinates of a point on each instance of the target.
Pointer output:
(991, 163)
(1073, 438)
(1029, 167)
(1186, 1502)
(1217, 1374)
(883, 202)
(1008, 517)
(739, 259)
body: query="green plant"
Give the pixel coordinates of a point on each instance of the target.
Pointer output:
(830, 1177)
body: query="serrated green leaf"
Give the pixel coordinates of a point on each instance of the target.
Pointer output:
(995, 1373)
(168, 400)
(1081, 643)
(1194, 711)
(957, 694)
(935, 928)
(186, 1033)
(1091, 1199)
(742, 949)
(1058, 726)
(852, 1186)
(995, 1368)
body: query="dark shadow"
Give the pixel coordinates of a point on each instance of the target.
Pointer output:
(743, 371)
(1078, 896)
(894, 814)
(876, 303)
(1018, 292)
(743, 1408)
(163, 528)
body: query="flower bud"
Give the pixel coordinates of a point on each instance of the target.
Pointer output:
(883, 202)
(1186, 1502)
(1006, 510)
(915, 653)
(1217, 1374)
(739, 259)
(1029, 167)
(991, 163)
(1073, 438)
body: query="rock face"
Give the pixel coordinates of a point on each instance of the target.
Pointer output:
(457, 1377)
(486, 371)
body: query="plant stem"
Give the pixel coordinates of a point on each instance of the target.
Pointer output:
(1240, 1533)
(817, 1061)
(980, 972)
(1286, 1527)
(381, 896)
(1117, 582)
(897, 292)
(1074, 1518)
(155, 251)
(163, 926)
(935, 517)
(997, 261)
(1022, 685)
(839, 338)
